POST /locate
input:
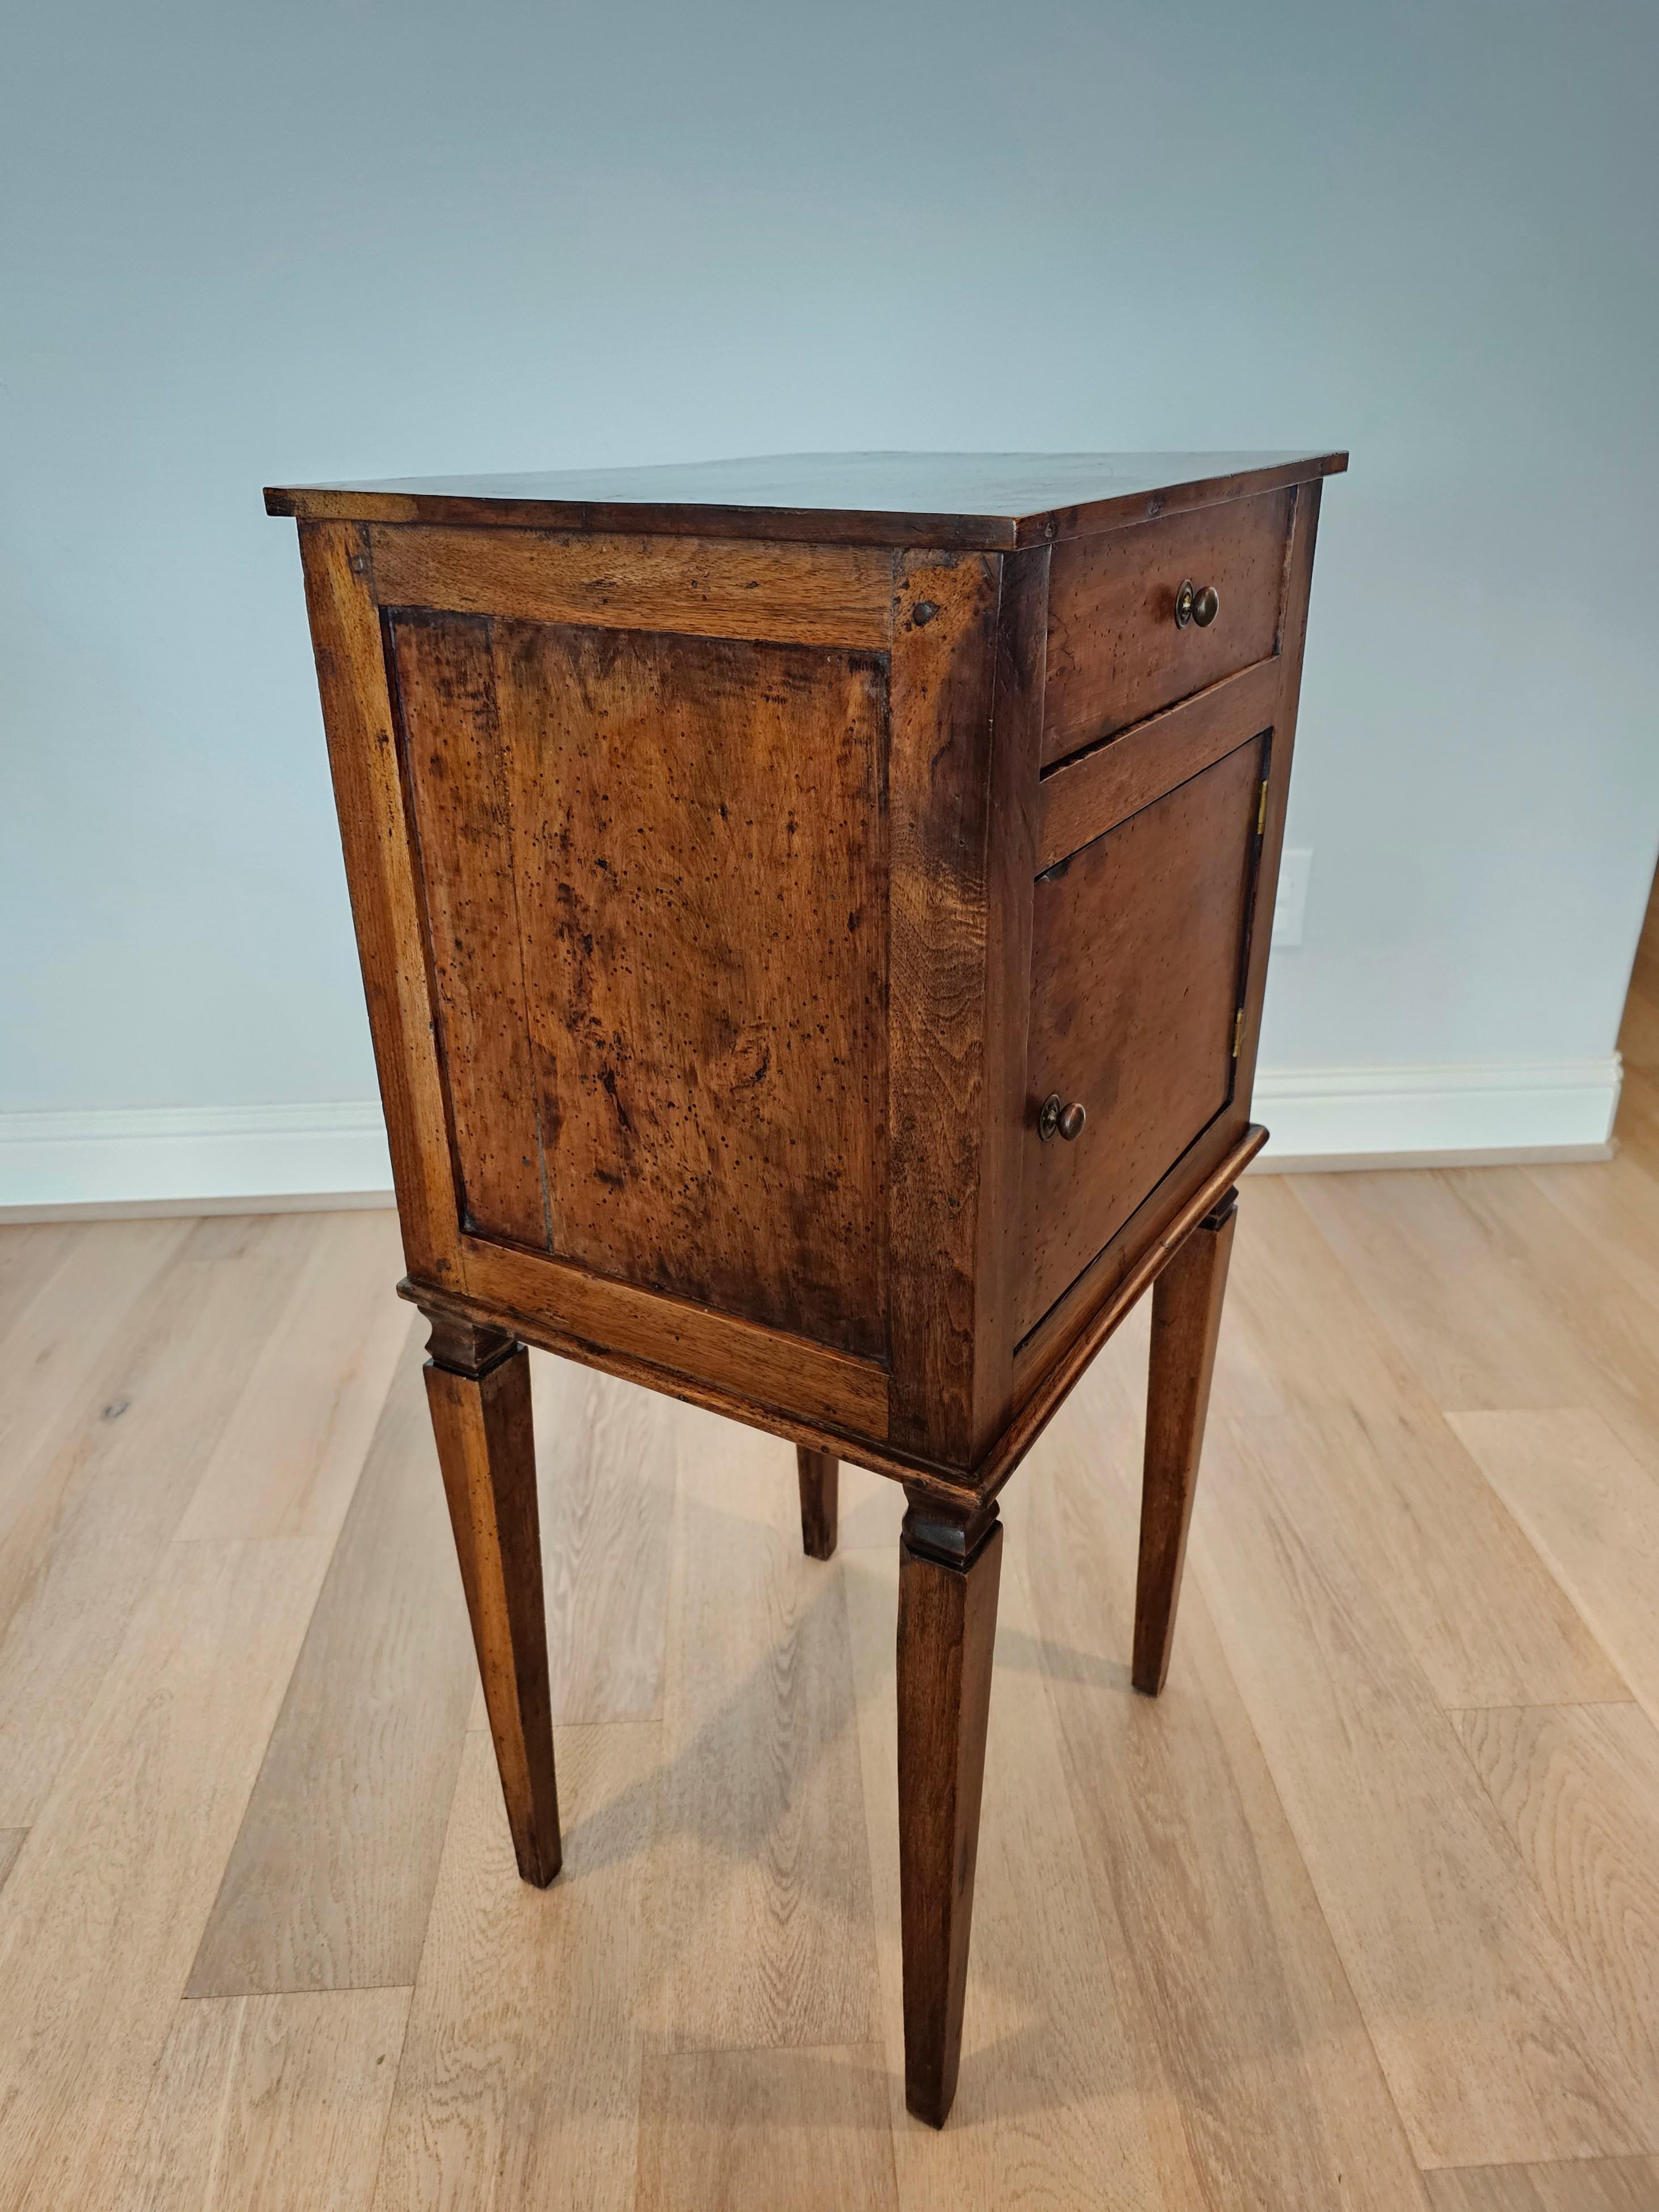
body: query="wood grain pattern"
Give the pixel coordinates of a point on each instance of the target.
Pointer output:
(477, 1385)
(95, 1521)
(1292, 632)
(29, 1253)
(1061, 2096)
(1080, 798)
(331, 1880)
(819, 1479)
(1638, 1032)
(599, 795)
(1138, 948)
(1116, 654)
(1590, 2185)
(804, 594)
(943, 690)
(606, 1455)
(1568, 1332)
(386, 906)
(520, 2079)
(287, 1460)
(102, 1912)
(1616, 1209)
(1486, 1620)
(54, 1346)
(577, 1310)
(449, 722)
(825, 1433)
(1474, 1333)
(871, 1510)
(1157, 2013)
(742, 993)
(1578, 1788)
(1494, 2051)
(760, 1922)
(1016, 739)
(748, 2130)
(268, 2104)
(1611, 1335)
(947, 1620)
(1586, 1505)
(1232, 1994)
(1638, 1114)
(1187, 1301)
(699, 848)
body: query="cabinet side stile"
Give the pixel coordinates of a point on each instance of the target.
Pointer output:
(380, 874)
(1304, 524)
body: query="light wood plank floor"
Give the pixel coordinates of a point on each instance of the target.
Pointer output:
(1362, 1913)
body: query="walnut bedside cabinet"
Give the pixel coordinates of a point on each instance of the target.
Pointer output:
(814, 914)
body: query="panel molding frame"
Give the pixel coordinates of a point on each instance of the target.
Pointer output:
(778, 594)
(766, 1365)
(1083, 797)
(942, 862)
(360, 725)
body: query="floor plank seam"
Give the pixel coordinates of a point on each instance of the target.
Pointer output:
(305, 1989)
(1545, 2164)
(372, 2195)
(1545, 1705)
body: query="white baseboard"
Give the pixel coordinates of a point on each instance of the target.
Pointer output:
(1488, 1113)
(193, 1159)
(274, 1159)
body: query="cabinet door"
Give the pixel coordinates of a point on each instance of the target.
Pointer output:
(1139, 949)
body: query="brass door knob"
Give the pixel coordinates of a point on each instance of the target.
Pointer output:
(1054, 1119)
(1196, 602)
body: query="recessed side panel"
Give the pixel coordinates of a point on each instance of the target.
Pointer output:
(1138, 966)
(655, 890)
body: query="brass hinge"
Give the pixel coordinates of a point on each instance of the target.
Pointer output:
(1238, 1031)
(1261, 808)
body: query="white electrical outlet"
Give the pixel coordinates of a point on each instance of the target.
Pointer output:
(1295, 866)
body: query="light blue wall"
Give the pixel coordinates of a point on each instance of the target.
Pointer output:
(250, 244)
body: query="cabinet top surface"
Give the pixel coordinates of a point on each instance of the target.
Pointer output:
(994, 501)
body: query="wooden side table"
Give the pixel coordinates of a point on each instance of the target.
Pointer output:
(814, 915)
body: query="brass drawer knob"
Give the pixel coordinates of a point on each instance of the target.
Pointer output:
(1196, 602)
(1054, 1119)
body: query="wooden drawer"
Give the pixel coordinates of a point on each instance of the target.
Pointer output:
(1139, 959)
(1115, 652)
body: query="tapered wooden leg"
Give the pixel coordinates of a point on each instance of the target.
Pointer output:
(1186, 1323)
(820, 1500)
(947, 1619)
(477, 1383)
